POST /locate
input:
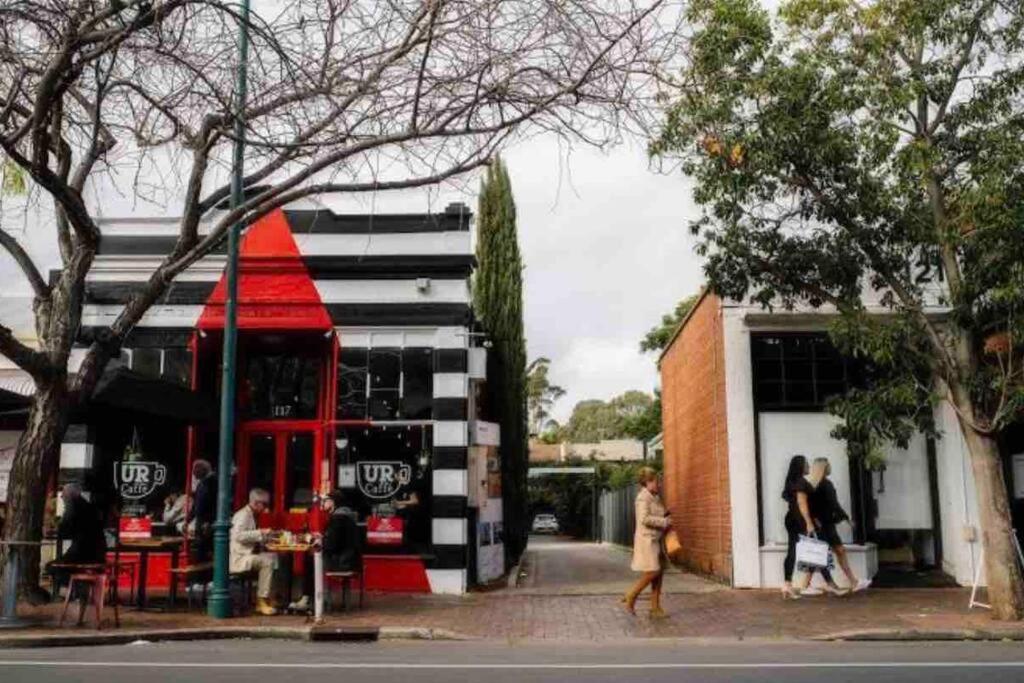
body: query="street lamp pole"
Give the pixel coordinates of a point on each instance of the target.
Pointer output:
(220, 598)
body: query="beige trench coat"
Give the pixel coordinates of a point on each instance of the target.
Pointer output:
(651, 522)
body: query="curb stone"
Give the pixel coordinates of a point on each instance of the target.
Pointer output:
(322, 633)
(916, 635)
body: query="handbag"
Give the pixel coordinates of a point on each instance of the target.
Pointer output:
(673, 548)
(810, 552)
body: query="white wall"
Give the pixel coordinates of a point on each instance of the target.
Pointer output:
(905, 500)
(739, 406)
(784, 435)
(958, 509)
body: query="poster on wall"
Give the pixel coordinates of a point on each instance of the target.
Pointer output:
(493, 473)
(135, 528)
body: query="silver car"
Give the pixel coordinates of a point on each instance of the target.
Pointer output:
(545, 524)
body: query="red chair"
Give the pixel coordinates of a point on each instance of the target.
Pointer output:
(96, 582)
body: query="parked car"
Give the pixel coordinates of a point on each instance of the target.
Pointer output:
(545, 524)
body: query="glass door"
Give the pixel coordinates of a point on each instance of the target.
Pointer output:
(283, 462)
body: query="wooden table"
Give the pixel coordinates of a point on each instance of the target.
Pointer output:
(145, 546)
(290, 549)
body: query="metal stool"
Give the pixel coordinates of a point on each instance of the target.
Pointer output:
(97, 585)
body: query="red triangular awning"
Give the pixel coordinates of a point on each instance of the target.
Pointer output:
(275, 291)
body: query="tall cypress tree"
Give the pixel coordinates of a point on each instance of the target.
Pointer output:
(498, 302)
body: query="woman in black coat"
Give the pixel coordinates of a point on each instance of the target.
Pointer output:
(828, 513)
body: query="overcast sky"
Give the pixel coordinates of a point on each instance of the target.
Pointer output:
(604, 240)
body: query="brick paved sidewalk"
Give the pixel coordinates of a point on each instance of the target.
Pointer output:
(509, 615)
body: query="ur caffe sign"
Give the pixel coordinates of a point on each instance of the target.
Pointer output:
(138, 479)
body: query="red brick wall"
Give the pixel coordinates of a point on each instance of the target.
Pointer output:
(696, 451)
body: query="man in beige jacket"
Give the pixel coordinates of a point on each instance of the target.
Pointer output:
(246, 537)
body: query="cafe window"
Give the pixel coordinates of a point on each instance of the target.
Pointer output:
(352, 384)
(385, 384)
(797, 371)
(146, 362)
(385, 471)
(299, 472)
(177, 366)
(279, 386)
(262, 463)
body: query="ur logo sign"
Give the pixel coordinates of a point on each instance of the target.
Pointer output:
(382, 480)
(136, 479)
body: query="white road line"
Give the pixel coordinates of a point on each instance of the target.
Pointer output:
(525, 666)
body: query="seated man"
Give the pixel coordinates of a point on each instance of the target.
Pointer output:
(81, 526)
(246, 539)
(342, 546)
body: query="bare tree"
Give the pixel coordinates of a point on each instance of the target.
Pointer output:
(345, 96)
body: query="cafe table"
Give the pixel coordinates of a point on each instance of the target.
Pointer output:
(145, 546)
(290, 550)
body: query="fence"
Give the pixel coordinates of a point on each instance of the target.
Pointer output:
(618, 515)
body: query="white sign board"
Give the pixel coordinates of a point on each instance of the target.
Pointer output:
(1018, 475)
(486, 433)
(347, 476)
(6, 463)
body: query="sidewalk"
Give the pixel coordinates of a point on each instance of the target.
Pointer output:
(513, 616)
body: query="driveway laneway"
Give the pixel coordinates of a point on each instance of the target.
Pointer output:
(562, 566)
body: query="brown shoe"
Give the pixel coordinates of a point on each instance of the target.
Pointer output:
(629, 603)
(658, 613)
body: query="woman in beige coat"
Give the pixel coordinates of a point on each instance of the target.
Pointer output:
(652, 521)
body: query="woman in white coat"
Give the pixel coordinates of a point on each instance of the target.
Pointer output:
(652, 521)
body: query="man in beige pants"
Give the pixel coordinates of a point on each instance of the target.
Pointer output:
(246, 537)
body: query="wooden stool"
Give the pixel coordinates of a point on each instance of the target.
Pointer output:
(345, 579)
(97, 583)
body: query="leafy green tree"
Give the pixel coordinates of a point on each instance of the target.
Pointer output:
(658, 337)
(847, 151)
(541, 394)
(498, 302)
(629, 415)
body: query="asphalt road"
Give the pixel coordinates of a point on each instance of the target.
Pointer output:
(482, 662)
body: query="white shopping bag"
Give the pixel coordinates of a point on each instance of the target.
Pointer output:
(810, 552)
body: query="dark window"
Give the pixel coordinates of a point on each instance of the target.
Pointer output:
(299, 472)
(281, 387)
(262, 463)
(352, 384)
(385, 383)
(417, 384)
(146, 362)
(178, 366)
(797, 371)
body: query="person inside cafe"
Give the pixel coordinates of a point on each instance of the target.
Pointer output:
(342, 546)
(203, 511)
(410, 508)
(247, 555)
(174, 510)
(81, 527)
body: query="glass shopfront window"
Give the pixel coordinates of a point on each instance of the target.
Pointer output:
(385, 384)
(387, 473)
(280, 387)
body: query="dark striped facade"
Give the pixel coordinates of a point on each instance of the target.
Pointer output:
(386, 282)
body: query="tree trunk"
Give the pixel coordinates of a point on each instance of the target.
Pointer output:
(1002, 566)
(36, 459)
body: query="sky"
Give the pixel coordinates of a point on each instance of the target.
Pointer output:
(604, 240)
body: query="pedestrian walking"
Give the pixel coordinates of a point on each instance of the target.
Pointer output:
(652, 521)
(828, 513)
(796, 491)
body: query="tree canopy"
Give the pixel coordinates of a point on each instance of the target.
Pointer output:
(658, 337)
(868, 158)
(541, 394)
(633, 414)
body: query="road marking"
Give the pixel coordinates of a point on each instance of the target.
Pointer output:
(401, 665)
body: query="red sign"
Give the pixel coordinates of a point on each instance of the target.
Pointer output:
(134, 528)
(384, 530)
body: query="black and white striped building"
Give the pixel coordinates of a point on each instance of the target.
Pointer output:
(356, 347)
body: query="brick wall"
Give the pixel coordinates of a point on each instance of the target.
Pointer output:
(696, 452)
